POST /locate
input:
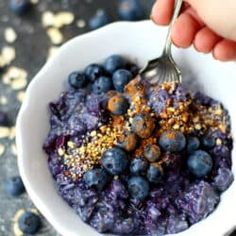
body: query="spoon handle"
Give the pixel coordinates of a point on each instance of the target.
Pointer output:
(168, 43)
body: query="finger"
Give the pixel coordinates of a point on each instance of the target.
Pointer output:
(162, 11)
(225, 50)
(205, 40)
(191, 11)
(184, 30)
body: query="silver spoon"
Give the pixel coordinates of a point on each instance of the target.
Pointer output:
(164, 68)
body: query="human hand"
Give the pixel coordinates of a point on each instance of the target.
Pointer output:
(210, 25)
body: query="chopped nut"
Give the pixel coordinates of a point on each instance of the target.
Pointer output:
(196, 119)
(218, 112)
(61, 152)
(71, 144)
(218, 141)
(171, 109)
(93, 133)
(176, 126)
(222, 128)
(185, 117)
(198, 127)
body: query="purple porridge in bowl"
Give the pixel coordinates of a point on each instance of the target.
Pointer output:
(136, 159)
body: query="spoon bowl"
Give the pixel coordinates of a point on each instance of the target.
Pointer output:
(164, 68)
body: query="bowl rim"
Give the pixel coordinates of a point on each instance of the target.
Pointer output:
(19, 137)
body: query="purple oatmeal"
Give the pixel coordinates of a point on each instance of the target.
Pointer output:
(136, 159)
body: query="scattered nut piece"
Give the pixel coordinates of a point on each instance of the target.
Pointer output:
(4, 132)
(15, 77)
(55, 35)
(3, 100)
(2, 149)
(12, 132)
(20, 96)
(14, 149)
(2, 61)
(63, 18)
(34, 1)
(81, 23)
(8, 54)
(52, 51)
(58, 20)
(47, 19)
(19, 83)
(10, 35)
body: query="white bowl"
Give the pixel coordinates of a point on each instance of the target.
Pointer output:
(140, 42)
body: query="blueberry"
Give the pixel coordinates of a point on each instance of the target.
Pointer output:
(19, 7)
(100, 19)
(115, 161)
(138, 188)
(152, 153)
(93, 71)
(138, 166)
(102, 85)
(114, 63)
(131, 10)
(155, 173)
(77, 80)
(120, 78)
(172, 141)
(14, 186)
(143, 125)
(4, 120)
(29, 223)
(193, 143)
(128, 141)
(96, 178)
(200, 163)
(118, 105)
(208, 142)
